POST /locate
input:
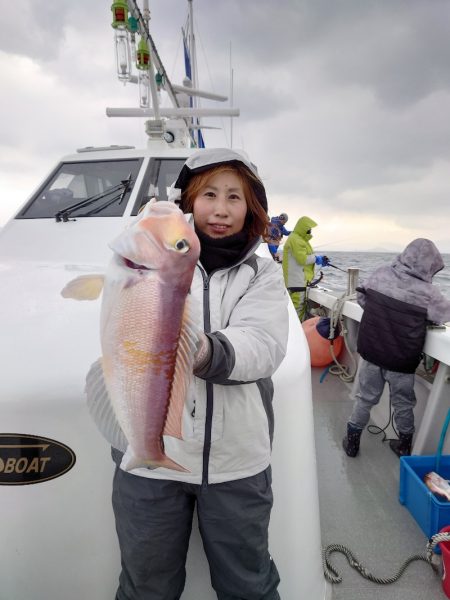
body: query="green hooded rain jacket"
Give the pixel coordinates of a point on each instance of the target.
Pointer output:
(298, 255)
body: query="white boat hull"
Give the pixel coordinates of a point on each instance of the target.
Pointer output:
(58, 536)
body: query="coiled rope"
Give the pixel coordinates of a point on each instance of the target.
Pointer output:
(433, 541)
(337, 320)
(333, 576)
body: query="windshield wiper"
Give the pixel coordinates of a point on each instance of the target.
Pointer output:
(63, 215)
(126, 184)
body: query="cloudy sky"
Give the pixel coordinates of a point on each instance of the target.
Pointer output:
(345, 104)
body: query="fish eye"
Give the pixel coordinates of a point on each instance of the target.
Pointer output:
(182, 245)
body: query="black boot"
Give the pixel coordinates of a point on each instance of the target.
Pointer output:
(402, 446)
(351, 441)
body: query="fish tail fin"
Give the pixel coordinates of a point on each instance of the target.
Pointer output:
(168, 463)
(134, 462)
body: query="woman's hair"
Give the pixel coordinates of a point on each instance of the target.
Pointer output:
(256, 220)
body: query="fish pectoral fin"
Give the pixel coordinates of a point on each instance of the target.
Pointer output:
(187, 345)
(85, 287)
(100, 407)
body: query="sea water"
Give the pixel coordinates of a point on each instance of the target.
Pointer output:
(367, 262)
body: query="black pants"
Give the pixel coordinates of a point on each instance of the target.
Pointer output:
(154, 521)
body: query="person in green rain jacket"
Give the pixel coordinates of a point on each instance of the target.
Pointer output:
(298, 263)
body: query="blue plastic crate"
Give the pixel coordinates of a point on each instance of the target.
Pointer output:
(430, 513)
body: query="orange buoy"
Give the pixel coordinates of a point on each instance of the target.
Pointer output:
(319, 347)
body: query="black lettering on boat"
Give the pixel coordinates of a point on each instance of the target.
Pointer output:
(26, 459)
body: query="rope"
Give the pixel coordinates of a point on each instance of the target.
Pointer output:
(337, 320)
(375, 430)
(434, 540)
(333, 576)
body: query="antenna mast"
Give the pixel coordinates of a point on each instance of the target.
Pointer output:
(155, 99)
(231, 98)
(172, 125)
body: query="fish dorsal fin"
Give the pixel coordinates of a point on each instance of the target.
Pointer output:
(187, 346)
(84, 287)
(100, 407)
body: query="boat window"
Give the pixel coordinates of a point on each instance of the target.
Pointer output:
(75, 182)
(161, 174)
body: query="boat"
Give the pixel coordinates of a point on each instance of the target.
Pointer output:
(55, 468)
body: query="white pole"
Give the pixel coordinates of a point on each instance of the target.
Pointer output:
(192, 46)
(193, 56)
(153, 90)
(173, 112)
(231, 99)
(199, 93)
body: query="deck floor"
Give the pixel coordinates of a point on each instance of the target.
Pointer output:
(359, 506)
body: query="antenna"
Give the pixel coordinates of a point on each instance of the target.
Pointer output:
(193, 61)
(231, 99)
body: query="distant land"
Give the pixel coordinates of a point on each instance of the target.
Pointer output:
(382, 249)
(375, 250)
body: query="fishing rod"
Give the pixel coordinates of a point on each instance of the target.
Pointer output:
(315, 281)
(335, 242)
(335, 267)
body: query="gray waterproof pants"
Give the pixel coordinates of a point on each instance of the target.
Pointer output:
(154, 520)
(372, 380)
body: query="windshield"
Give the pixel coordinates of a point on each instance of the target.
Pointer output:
(161, 174)
(74, 182)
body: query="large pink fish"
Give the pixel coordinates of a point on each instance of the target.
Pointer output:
(147, 335)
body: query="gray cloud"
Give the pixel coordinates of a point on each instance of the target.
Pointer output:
(343, 104)
(400, 50)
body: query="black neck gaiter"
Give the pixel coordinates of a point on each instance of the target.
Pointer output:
(218, 253)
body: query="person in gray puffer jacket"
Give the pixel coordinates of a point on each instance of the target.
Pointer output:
(398, 301)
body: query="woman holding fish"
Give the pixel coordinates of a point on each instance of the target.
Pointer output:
(182, 300)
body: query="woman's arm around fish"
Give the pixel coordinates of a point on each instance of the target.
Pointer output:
(253, 344)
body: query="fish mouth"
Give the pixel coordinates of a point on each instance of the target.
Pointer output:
(132, 265)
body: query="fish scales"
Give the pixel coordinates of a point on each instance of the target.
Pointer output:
(142, 349)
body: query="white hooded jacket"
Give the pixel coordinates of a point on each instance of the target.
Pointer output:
(228, 418)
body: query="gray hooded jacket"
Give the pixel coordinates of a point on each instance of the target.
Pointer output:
(398, 300)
